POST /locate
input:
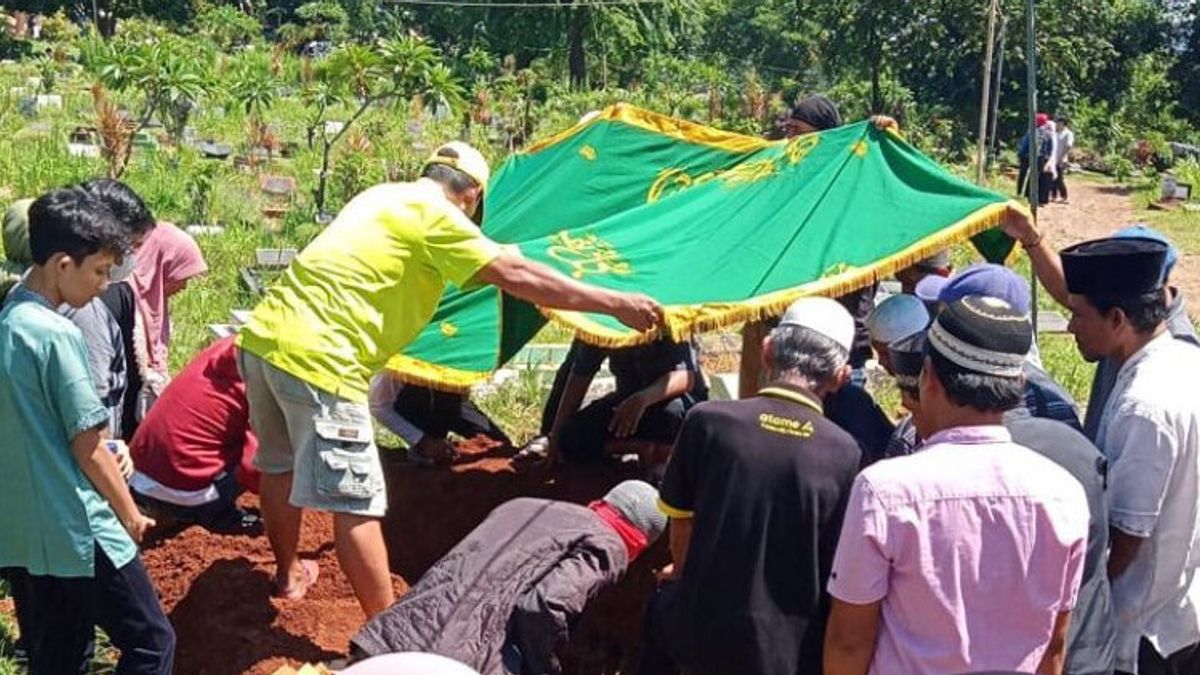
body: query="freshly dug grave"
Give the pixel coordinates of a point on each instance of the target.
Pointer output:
(217, 589)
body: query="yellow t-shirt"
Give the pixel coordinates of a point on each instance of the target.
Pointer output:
(366, 286)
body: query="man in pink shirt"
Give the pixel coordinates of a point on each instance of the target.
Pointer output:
(966, 556)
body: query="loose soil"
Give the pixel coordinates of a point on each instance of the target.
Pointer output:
(217, 589)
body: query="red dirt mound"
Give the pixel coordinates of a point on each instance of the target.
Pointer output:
(216, 589)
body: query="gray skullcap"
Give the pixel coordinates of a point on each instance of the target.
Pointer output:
(638, 502)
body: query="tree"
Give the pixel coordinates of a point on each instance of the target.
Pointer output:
(254, 88)
(228, 27)
(172, 75)
(388, 70)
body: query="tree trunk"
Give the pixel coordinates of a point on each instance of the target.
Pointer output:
(323, 179)
(575, 58)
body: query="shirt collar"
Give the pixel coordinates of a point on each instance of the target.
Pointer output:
(21, 293)
(971, 435)
(1162, 340)
(793, 393)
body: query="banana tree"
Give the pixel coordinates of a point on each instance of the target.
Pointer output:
(386, 71)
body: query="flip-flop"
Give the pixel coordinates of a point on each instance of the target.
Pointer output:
(312, 572)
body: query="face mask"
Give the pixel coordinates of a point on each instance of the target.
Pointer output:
(122, 271)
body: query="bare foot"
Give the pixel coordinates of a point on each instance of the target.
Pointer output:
(297, 589)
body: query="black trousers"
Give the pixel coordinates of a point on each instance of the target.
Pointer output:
(1045, 182)
(1186, 661)
(438, 412)
(1022, 174)
(58, 618)
(1059, 187)
(216, 515)
(586, 433)
(656, 655)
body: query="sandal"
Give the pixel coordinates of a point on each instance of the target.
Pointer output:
(311, 573)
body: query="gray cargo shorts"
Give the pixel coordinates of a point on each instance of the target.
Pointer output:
(327, 443)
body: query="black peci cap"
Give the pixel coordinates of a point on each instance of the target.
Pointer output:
(908, 357)
(1114, 266)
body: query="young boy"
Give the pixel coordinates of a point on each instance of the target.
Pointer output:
(70, 526)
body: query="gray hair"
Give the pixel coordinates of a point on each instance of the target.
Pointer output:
(798, 352)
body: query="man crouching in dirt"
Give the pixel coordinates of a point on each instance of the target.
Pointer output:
(505, 597)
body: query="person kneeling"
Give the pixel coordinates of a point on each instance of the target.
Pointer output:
(192, 454)
(424, 418)
(505, 597)
(656, 384)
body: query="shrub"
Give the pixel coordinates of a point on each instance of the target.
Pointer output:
(228, 27)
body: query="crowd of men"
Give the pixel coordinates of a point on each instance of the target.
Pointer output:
(990, 530)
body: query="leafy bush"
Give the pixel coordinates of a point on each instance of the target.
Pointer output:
(228, 27)
(58, 27)
(1188, 171)
(1120, 166)
(13, 47)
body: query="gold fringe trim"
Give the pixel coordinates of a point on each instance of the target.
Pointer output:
(434, 376)
(683, 130)
(683, 321)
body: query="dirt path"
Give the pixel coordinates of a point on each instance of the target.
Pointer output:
(1097, 210)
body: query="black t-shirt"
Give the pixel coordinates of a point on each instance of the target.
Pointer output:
(860, 304)
(853, 409)
(635, 368)
(765, 481)
(121, 301)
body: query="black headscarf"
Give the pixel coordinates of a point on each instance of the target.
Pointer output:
(817, 112)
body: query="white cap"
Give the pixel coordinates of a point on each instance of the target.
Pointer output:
(409, 663)
(824, 316)
(461, 156)
(897, 317)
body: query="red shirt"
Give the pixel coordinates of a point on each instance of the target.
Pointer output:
(200, 426)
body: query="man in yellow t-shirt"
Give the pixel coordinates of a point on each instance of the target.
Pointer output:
(356, 296)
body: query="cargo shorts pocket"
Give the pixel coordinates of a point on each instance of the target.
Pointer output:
(347, 467)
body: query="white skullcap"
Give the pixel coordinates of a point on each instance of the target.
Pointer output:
(897, 317)
(824, 316)
(409, 663)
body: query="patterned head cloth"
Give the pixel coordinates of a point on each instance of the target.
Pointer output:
(982, 335)
(908, 357)
(638, 502)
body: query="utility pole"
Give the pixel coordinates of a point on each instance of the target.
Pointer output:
(999, 84)
(985, 92)
(1034, 146)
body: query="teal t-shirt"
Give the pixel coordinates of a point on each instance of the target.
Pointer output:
(52, 515)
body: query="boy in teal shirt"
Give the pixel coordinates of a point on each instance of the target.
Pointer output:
(67, 540)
